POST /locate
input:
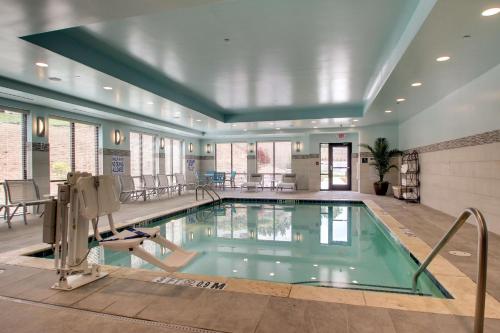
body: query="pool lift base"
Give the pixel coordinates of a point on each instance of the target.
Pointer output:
(81, 199)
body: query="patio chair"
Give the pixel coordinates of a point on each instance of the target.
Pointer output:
(128, 189)
(254, 182)
(164, 185)
(20, 193)
(219, 179)
(150, 186)
(289, 181)
(232, 179)
(181, 183)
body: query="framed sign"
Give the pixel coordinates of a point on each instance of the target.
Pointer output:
(117, 165)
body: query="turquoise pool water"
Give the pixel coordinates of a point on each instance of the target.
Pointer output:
(331, 244)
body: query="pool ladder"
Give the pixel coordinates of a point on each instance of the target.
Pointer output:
(210, 191)
(482, 260)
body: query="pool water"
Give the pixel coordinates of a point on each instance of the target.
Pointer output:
(333, 244)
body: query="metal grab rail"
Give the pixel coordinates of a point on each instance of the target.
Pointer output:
(206, 188)
(482, 260)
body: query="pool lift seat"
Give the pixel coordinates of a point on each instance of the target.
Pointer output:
(81, 199)
(102, 200)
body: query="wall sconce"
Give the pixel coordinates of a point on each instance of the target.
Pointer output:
(209, 148)
(298, 146)
(209, 232)
(252, 234)
(190, 147)
(162, 143)
(40, 126)
(298, 237)
(251, 146)
(118, 137)
(191, 236)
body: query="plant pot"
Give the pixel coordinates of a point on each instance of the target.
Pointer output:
(381, 188)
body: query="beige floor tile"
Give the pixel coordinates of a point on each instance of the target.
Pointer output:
(335, 295)
(259, 287)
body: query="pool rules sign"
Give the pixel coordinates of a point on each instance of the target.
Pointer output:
(117, 165)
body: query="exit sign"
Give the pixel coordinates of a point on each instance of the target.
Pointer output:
(341, 135)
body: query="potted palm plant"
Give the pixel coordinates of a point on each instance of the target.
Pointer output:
(382, 162)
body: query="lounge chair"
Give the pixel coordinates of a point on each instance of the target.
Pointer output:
(164, 184)
(254, 182)
(289, 181)
(128, 190)
(21, 193)
(181, 183)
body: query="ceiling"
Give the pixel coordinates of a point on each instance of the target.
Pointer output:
(220, 67)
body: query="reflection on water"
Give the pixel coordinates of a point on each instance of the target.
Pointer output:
(338, 245)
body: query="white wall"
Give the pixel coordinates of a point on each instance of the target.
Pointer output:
(460, 149)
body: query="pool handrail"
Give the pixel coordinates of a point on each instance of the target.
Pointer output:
(482, 260)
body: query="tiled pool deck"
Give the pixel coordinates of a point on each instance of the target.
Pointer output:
(249, 306)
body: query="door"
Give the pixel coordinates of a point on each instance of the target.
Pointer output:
(336, 166)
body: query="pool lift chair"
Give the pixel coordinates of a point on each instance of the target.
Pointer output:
(85, 198)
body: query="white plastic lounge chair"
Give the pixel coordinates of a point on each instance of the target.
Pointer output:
(254, 182)
(128, 190)
(181, 183)
(21, 193)
(289, 181)
(101, 200)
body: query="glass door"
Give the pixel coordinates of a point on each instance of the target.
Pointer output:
(336, 166)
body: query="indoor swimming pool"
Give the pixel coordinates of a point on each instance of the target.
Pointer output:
(331, 244)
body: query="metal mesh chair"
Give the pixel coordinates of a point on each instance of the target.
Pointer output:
(181, 183)
(164, 184)
(254, 182)
(20, 193)
(288, 181)
(128, 190)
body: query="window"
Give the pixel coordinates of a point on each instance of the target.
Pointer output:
(142, 156)
(274, 223)
(73, 147)
(273, 160)
(335, 225)
(12, 146)
(174, 158)
(232, 157)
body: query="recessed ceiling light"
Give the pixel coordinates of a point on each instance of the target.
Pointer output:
(77, 76)
(416, 84)
(354, 281)
(235, 271)
(107, 88)
(55, 79)
(233, 125)
(388, 111)
(150, 103)
(41, 64)
(313, 278)
(491, 11)
(315, 127)
(278, 262)
(245, 130)
(313, 122)
(352, 268)
(355, 120)
(245, 259)
(315, 265)
(277, 128)
(443, 58)
(399, 100)
(198, 120)
(353, 125)
(271, 274)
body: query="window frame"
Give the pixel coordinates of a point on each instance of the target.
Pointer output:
(24, 140)
(169, 142)
(274, 159)
(232, 156)
(155, 156)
